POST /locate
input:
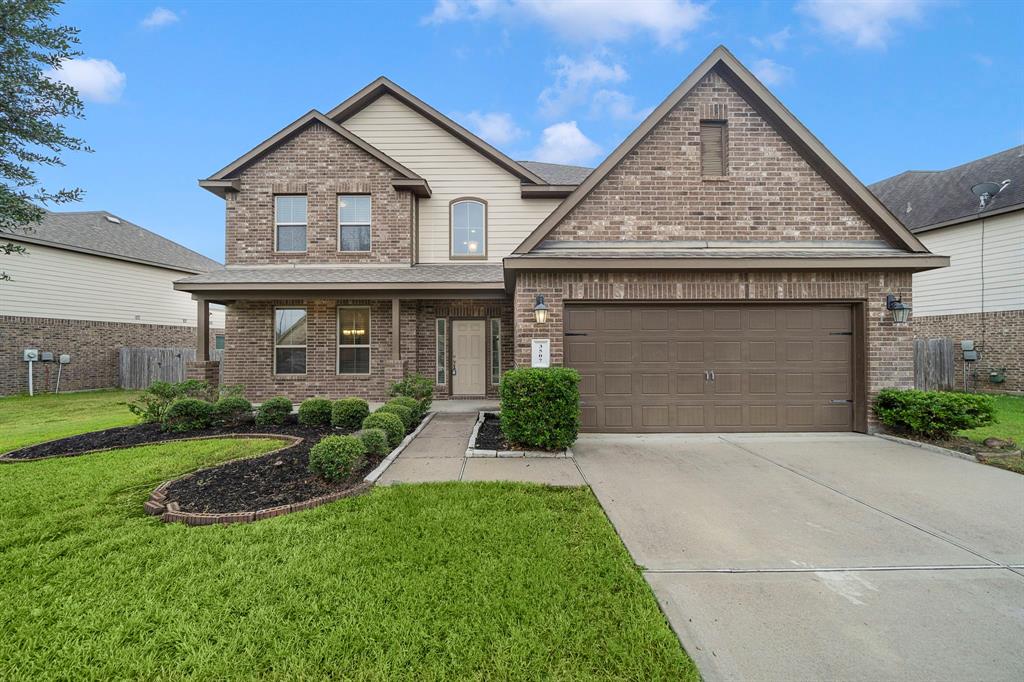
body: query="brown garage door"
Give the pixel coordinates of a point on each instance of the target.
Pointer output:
(712, 368)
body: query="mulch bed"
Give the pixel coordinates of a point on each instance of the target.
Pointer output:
(965, 445)
(489, 436)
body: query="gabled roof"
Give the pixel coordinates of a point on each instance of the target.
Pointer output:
(101, 233)
(221, 181)
(927, 200)
(558, 173)
(383, 86)
(806, 144)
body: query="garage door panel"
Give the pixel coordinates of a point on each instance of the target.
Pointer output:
(761, 351)
(618, 384)
(580, 352)
(726, 351)
(689, 319)
(655, 320)
(617, 352)
(618, 415)
(655, 415)
(582, 319)
(689, 351)
(654, 351)
(727, 384)
(692, 384)
(588, 384)
(617, 319)
(654, 384)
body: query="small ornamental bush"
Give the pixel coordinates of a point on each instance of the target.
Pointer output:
(390, 423)
(349, 413)
(415, 405)
(933, 414)
(540, 408)
(231, 411)
(415, 386)
(274, 412)
(375, 441)
(315, 412)
(154, 402)
(403, 412)
(334, 458)
(188, 414)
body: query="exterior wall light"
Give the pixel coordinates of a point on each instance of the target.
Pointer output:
(900, 310)
(540, 310)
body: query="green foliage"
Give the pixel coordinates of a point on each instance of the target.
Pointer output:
(403, 412)
(390, 423)
(349, 413)
(152, 405)
(315, 412)
(375, 441)
(236, 391)
(188, 414)
(231, 410)
(933, 414)
(540, 407)
(334, 458)
(414, 405)
(415, 386)
(274, 412)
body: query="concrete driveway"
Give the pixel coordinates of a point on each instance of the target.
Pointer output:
(810, 556)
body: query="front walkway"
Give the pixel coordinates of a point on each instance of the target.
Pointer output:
(438, 453)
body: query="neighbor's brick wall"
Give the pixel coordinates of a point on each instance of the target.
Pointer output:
(1003, 341)
(890, 351)
(93, 347)
(320, 164)
(657, 192)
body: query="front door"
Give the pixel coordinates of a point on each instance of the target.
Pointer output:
(468, 361)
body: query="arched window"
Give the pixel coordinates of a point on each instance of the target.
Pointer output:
(469, 228)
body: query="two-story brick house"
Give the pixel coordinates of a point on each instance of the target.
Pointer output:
(719, 271)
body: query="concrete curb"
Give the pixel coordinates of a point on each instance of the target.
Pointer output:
(476, 452)
(928, 446)
(387, 461)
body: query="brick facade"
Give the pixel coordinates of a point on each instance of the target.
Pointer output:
(657, 191)
(999, 335)
(321, 164)
(93, 347)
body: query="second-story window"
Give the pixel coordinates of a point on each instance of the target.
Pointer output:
(353, 223)
(469, 228)
(290, 223)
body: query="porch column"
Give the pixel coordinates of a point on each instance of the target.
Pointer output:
(396, 330)
(202, 330)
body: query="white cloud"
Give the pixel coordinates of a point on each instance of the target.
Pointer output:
(565, 143)
(771, 72)
(865, 23)
(160, 17)
(574, 81)
(584, 20)
(983, 59)
(496, 127)
(617, 105)
(775, 41)
(97, 80)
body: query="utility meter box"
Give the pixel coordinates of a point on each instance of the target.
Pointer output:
(46, 356)
(30, 354)
(65, 358)
(970, 356)
(967, 345)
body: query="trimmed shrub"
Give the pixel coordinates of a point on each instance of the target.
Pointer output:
(231, 410)
(415, 386)
(274, 412)
(540, 407)
(415, 405)
(349, 413)
(154, 402)
(188, 414)
(335, 457)
(315, 412)
(375, 441)
(390, 423)
(403, 412)
(933, 414)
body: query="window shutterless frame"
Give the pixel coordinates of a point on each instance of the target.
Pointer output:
(364, 339)
(441, 351)
(286, 332)
(475, 249)
(355, 221)
(287, 218)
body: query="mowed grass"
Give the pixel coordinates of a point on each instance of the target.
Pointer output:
(424, 582)
(1009, 423)
(26, 421)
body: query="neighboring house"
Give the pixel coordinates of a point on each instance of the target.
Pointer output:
(91, 283)
(719, 271)
(980, 297)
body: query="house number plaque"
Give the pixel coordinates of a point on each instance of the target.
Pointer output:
(541, 355)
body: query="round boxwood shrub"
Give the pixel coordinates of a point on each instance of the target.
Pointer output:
(349, 413)
(274, 412)
(336, 457)
(933, 414)
(390, 423)
(415, 405)
(188, 414)
(414, 386)
(403, 412)
(540, 407)
(231, 410)
(315, 412)
(375, 441)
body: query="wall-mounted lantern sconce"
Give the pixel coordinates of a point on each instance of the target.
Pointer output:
(900, 310)
(540, 310)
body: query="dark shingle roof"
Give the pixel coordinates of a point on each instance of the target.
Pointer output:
(558, 174)
(104, 234)
(455, 273)
(924, 198)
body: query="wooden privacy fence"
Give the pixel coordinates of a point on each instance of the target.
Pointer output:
(139, 367)
(934, 366)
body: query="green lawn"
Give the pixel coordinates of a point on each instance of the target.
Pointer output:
(1009, 421)
(437, 581)
(25, 420)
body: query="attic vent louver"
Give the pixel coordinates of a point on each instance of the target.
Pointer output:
(112, 219)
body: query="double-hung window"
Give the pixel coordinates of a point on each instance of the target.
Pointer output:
(354, 223)
(354, 340)
(469, 228)
(289, 340)
(290, 223)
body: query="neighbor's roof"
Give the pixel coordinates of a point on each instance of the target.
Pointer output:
(926, 200)
(557, 173)
(427, 276)
(101, 233)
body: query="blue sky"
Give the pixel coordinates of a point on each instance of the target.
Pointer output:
(176, 90)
